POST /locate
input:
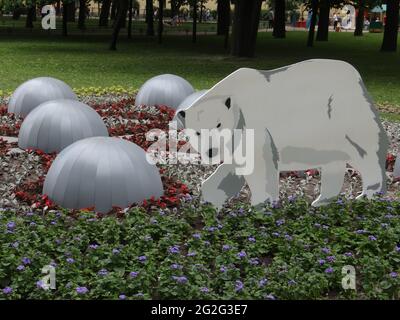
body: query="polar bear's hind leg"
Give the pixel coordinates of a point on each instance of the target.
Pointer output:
(332, 178)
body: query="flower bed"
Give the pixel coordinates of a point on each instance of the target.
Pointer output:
(175, 247)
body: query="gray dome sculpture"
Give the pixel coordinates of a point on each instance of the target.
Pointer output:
(56, 124)
(166, 89)
(102, 172)
(186, 104)
(34, 92)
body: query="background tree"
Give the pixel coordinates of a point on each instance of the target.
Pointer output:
(279, 28)
(245, 27)
(323, 20)
(160, 20)
(119, 21)
(391, 27)
(104, 13)
(150, 17)
(31, 13)
(311, 32)
(83, 11)
(223, 17)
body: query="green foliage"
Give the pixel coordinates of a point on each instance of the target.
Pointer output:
(288, 252)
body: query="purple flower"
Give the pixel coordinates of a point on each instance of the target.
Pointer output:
(181, 279)
(191, 253)
(280, 222)
(270, 297)
(115, 251)
(348, 254)
(29, 214)
(133, 274)
(326, 250)
(153, 221)
(226, 247)
(254, 261)
(204, 289)
(329, 270)
(252, 239)
(21, 267)
(40, 284)
(7, 290)
(262, 282)
(93, 246)
(393, 274)
(239, 285)
(361, 231)
(142, 258)
(176, 266)
(82, 290)
(242, 254)
(397, 248)
(197, 235)
(11, 225)
(211, 229)
(331, 258)
(291, 282)
(372, 238)
(70, 260)
(26, 260)
(288, 237)
(222, 269)
(173, 249)
(384, 225)
(276, 234)
(207, 243)
(122, 297)
(15, 244)
(103, 272)
(32, 224)
(317, 225)
(321, 262)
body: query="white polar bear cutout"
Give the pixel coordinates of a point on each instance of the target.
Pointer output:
(312, 114)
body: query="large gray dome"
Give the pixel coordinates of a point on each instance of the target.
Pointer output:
(34, 92)
(186, 104)
(102, 172)
(56, 124)
(166, 89)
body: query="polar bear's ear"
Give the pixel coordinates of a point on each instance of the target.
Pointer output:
(182, 114)
(228, 103)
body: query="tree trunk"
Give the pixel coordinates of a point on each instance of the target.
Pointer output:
(311, 32)
(245, 27)
(160, 20)
(120, 18)
(194, 34)
(30, 17)
(201, 12)
(71, 11)
(223, 12)
(114, 9)
(323, 22)
(16, 14)
(360, 19)
(174, 8)
(279, 30)
(130, 19)
(150, 18)
(82, 14)
(391, 27)
(65, 19)
(104, 13)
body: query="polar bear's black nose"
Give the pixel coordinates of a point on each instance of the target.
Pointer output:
(212, 152)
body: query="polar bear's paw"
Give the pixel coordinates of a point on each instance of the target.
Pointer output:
(321, 202)
(216, 197)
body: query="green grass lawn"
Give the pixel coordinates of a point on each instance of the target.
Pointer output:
(86, 61)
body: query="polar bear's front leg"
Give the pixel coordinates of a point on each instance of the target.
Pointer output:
(332, 178)
(221, 185)
(264, 185)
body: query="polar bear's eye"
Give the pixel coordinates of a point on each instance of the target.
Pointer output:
(198, 133)
(219, 124)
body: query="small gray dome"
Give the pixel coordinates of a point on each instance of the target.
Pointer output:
(166, 89)
(34, 92)
(56, 124)
(102, 172)
(186, 104)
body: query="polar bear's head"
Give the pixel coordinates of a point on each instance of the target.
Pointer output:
(210, 119)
